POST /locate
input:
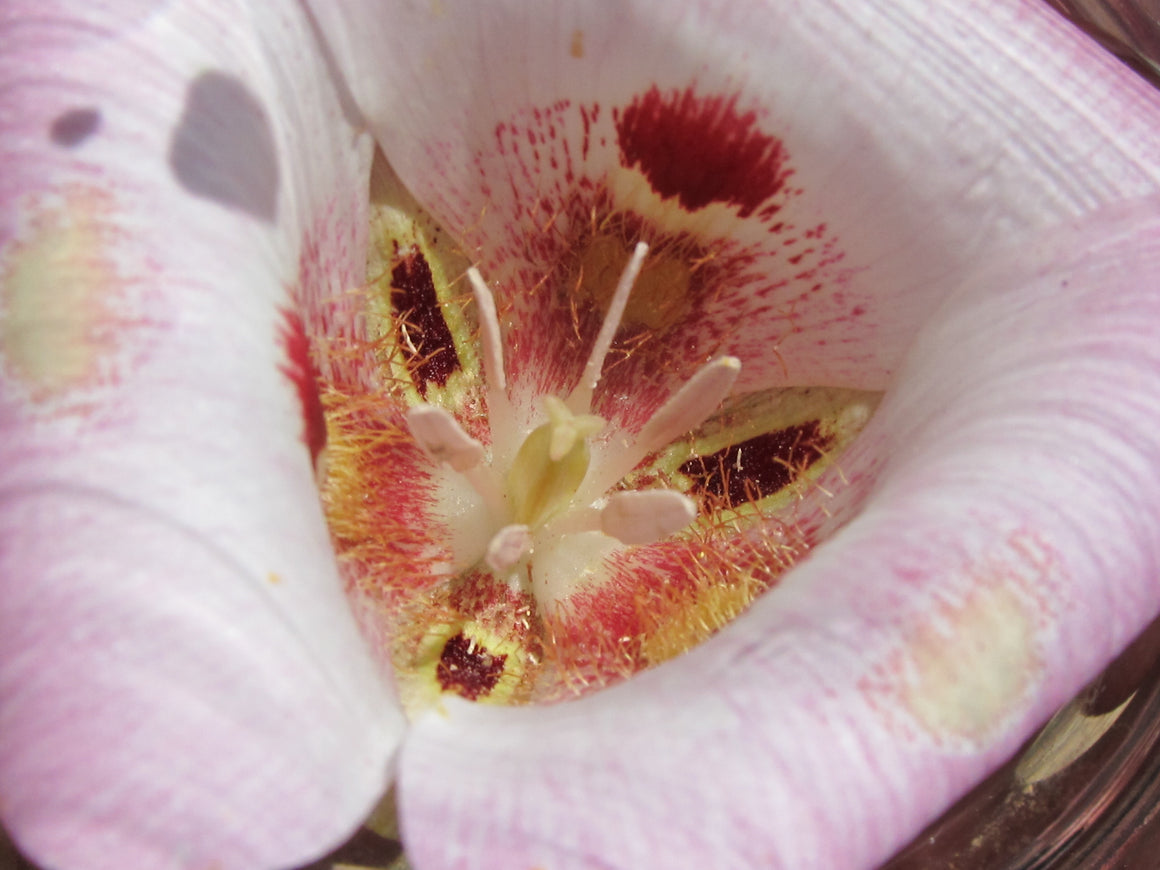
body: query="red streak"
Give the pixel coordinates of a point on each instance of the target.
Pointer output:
(301, 372)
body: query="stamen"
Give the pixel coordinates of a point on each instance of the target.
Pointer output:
(546, 475)
(507, 547)
(574, 522)
(499, 411)
(489, 331)
(633, 517)
(440, 434)
(684, 411)
(581, 398)
(646, 516)
(692, 404)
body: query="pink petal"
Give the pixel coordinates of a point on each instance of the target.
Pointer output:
(997, 546)
(878, 114)
(181, 680)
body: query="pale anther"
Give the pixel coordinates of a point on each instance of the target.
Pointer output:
(443, 438)
(646, 516)
(685, 410)
(507, 547)
(693, 403)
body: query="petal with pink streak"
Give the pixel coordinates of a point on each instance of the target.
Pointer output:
(997, 548)
(182, 681)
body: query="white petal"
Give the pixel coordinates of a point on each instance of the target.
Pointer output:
(996, 545)
(181, 679)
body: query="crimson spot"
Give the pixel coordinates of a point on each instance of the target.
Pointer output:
(426, 339)
(701, 150)
(468, 669)
(760, 466)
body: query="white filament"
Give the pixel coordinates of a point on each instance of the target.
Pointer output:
(581, 398)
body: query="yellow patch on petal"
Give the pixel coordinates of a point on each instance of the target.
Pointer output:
(966, 667)
(376, 513)
(58, 290)
(971, 664)
(660, 297)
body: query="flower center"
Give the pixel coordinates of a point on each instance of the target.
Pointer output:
(534, 513)
(548, 489)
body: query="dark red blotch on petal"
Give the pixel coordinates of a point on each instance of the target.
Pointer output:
(428, 344)
(701, 150)
(467, 668)
(760, 466)
(299, 368)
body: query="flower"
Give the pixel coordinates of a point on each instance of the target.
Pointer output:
(182, 681)
(500, 540)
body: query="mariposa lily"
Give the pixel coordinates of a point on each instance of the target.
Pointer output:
(953, 205)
